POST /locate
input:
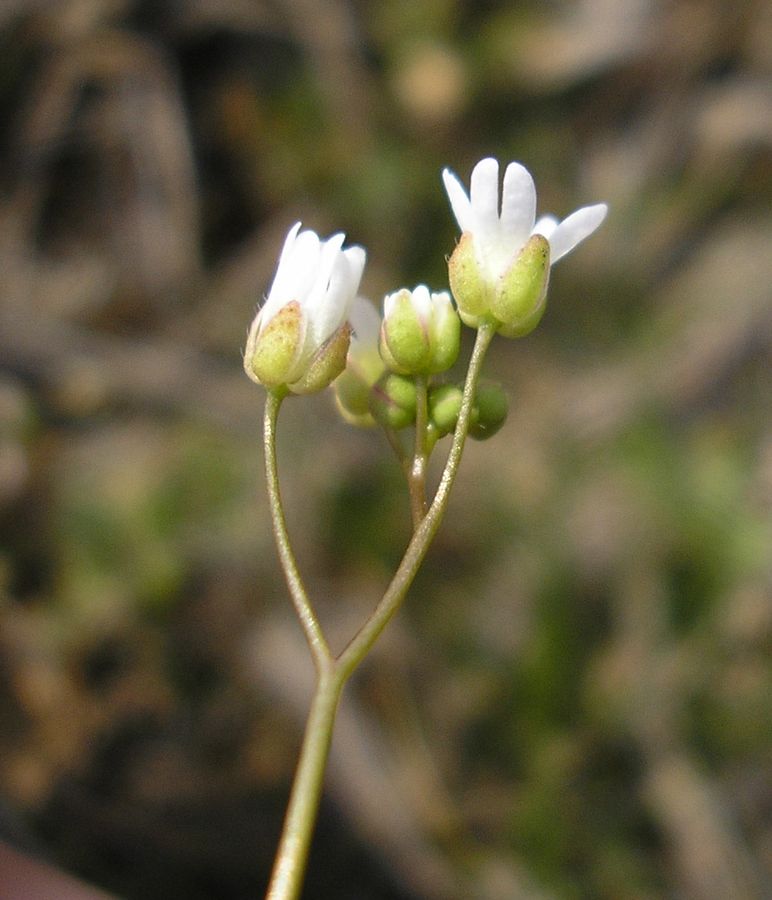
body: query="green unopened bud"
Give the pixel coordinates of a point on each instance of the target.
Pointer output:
(421, 332)
(472, 291)
(444, 407)
(489, 411)
(520, 296)
(393, 401)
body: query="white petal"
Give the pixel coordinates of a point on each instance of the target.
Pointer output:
(284, 277)
(328, 301)
(518, 204)
(296, 273)
(459, 202)
(574, 229)
(356, 257)
(484, 197)
(422, 302)
(545, 226)
(343, 287)
(441, 300)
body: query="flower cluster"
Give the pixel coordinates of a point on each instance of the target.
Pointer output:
(313, 326)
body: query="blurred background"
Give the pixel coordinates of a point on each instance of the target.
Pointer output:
(576, 700)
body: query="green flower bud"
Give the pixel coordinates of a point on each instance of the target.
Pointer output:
(393, 401)
(421, 332)
(444, 407)
(489, 411)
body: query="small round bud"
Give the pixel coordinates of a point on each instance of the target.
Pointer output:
(393, 401)
(444, 407)
(421, 332)
(489, 411)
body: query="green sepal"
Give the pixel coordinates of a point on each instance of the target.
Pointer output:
(326, 364)
(470, 288)
(444, 338)
(519, 299)
(275, 351)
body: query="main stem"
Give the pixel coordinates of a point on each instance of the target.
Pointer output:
(292, 855)
(332, 673)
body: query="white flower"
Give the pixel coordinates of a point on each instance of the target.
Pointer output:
(499, 271)
(304, 317)
(500, 234)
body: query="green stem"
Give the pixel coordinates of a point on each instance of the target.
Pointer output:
(292, 855)
(300, 599)
(359, 646)
(416, 476)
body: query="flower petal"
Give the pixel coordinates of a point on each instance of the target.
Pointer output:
(545, 226)
(282, 280)
(574, 229)
(333, 291)
(518, 204)
(459, 202)
(484, 197)
(422, 303)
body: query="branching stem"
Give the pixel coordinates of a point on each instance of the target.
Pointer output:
(333, 672)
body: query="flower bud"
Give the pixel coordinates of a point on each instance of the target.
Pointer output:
(421, 332)
(444, 407)
(393, 401)
(489, 411)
